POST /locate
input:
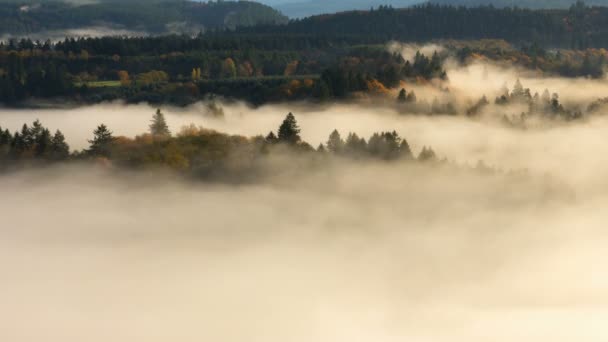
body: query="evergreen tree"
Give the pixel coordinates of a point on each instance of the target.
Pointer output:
(335, 143)
(289, 132)
(271, 138)
(427, 154)
(59, 149)
(159, 127)
(405, 150)
(102, 141)
(43, 143)
(402, 98)
(18, 146)
(411, 97)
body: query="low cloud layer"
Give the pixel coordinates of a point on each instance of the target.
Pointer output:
(91, 31)
(351, 252)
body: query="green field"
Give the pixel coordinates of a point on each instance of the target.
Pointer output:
(99, 84)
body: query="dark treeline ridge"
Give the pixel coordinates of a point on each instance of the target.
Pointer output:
(579, 26)
(158, 17)
(532, 4)
(194, 150)
(256, 74)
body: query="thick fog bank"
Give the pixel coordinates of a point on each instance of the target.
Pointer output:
(351, 252)
(572, 152)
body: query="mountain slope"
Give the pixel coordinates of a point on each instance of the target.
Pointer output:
(139, 15)
(577, 27)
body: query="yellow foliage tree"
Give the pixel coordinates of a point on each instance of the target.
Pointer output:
(124, 78)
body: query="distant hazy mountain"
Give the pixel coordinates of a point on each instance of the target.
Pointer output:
(305, 8)
(148, 16)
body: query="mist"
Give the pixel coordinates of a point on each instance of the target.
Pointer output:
(352, 252)
(80, 32)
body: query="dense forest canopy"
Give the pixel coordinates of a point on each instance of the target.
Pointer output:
(148, 17)
(533, 4)
(577, 27)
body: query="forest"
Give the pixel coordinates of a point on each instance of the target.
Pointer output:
(342, 56)
(256, 68)
(196, 151)
(579, 26)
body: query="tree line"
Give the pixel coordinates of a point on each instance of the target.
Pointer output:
(196, 150)
(577, 27)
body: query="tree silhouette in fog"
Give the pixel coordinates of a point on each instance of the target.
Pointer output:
(289, 132)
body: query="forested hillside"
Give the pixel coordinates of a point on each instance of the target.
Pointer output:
(532, 4)
(577, 27)
(151, 17)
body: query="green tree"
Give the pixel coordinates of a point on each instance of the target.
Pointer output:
(59, 149)
(43, 143)
(102, 141)
(289, 132)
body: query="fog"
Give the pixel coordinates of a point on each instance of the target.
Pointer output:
(87, 31)
(348, 251)
(351, 252)
(457, 138)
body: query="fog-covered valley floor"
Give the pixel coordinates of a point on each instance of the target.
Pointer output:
(350, 252)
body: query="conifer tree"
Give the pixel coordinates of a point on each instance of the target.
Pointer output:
(59, 149)
(402, 96)
(43, 143)
(102, 141)
(335, 143)
(158, 126)
(289, 132)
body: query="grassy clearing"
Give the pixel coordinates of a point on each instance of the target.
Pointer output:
(99, 84)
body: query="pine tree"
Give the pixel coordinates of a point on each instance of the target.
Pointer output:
(27, 139)
(335, 143)
(411, 97)
(289, 132)
(427, 154)
(405, 150)
(102, 141)
(159, 127)
(271, 138)
(59, 149)
(43, 143)
(18, 146)
(402, 96)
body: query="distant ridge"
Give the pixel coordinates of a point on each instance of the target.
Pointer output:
(532, 4)
(152, 17)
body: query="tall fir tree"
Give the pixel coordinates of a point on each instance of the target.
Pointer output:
(289, 132)
(102, 142)
(59, 149)
(158, 126)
